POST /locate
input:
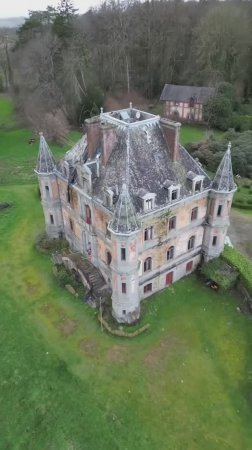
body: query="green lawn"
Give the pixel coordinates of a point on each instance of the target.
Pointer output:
(184, 384)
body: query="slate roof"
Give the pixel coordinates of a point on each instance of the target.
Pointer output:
(142, 160)
(46, 162)
(124, 219)
(177, 93)
(224, 180)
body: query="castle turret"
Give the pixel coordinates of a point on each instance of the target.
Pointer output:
(49, 190)
(124, 230)
(219, 206)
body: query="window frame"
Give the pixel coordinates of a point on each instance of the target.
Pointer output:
(148, 288)
(191, 243)
(123, 254)
(171, 250)
(214, 240)
(194, 213)
(124, 288)
(219, 210)
(148, 233)
(172, 223)
(148, 264)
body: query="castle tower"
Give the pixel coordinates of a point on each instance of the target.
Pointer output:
(124, 231)
(49, 190)
(219, 206)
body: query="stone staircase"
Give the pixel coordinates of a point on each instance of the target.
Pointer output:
(93, 276)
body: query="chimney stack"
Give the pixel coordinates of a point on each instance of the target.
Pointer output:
(171, 131)
(109, 140)
(93, 135)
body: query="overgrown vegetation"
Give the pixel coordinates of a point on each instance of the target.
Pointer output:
(241, 263)
(210, 152)
(44, 244)
(220, 272)
(64, 278)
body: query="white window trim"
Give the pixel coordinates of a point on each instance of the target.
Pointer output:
(172, 188)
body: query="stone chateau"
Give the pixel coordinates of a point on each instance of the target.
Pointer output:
(131, 199)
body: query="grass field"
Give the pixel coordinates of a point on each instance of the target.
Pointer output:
(65, 385)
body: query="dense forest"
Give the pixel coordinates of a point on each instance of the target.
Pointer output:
(63, 66)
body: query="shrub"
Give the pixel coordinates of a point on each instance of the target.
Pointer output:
(47, 245)
(241, 263)
(63, 277)
(220, 272)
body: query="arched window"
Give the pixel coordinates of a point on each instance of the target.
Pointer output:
(147, 264)
(170, 253)
(191, 243)
(109, 258)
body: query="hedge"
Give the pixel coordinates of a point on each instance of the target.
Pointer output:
(241, 263)
(242, 205)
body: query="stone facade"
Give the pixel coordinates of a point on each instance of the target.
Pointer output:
(132, 200)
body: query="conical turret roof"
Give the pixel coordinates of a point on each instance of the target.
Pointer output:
(224, 180)
(124, 219)
(46, 162)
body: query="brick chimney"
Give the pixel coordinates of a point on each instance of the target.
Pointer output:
(171, 131)
(109, 140)
(93, 135)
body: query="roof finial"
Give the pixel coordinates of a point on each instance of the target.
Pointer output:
(130, 105)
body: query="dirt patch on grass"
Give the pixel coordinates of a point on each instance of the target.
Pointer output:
(240, 232)
(68, 327)
(32, 288)
(117, 353)
(88, 346)
(170, 344)
(47, 309)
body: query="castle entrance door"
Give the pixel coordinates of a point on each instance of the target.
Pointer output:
(169, 278)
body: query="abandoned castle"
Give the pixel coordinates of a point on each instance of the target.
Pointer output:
(131, 199)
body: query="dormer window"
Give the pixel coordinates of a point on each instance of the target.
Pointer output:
(173, 193)
(149, 203)
(148, 199)
(196, 181)
(198, 186)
